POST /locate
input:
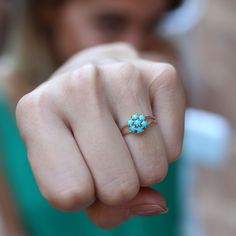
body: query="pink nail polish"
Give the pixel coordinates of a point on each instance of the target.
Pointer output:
(147, 210)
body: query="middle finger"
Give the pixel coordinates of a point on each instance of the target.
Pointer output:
(100, 141)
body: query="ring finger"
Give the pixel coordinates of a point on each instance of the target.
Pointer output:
(147, 149)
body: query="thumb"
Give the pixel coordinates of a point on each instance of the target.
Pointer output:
(147, 202)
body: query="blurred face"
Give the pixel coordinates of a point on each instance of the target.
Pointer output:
(84, 23)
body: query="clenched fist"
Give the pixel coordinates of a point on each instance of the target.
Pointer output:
(71, 126)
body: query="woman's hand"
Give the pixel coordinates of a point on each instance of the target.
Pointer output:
(71, 127)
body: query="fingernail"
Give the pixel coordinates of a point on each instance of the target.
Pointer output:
(147, 210)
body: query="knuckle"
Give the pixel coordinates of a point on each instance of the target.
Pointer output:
(81, 80)
(154, 174)
(38, 99)
(128, 80)
(84, 85)
(31, 107)
(72, 199)
(169, 68)
(166, 80)
(128, 72)
(169, 76)
(119, 190)
(24, 105)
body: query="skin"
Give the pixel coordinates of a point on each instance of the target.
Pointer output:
(70, 124)
(82, 24)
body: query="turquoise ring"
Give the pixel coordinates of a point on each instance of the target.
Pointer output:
(137, 124)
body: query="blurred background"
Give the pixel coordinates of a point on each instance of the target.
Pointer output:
(213, 40)
(206, 38)
(203, 33)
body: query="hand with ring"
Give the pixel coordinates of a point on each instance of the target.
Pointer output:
(101, 130)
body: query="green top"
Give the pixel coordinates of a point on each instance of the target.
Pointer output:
(40, 219)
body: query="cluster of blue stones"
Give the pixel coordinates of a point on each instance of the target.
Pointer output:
(137, 123)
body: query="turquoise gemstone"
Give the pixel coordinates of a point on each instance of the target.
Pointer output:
(140, 130)
(137, 122)
(134, 116)
(142, 117)
(132, 129)
(144, 124)
(130, 122)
